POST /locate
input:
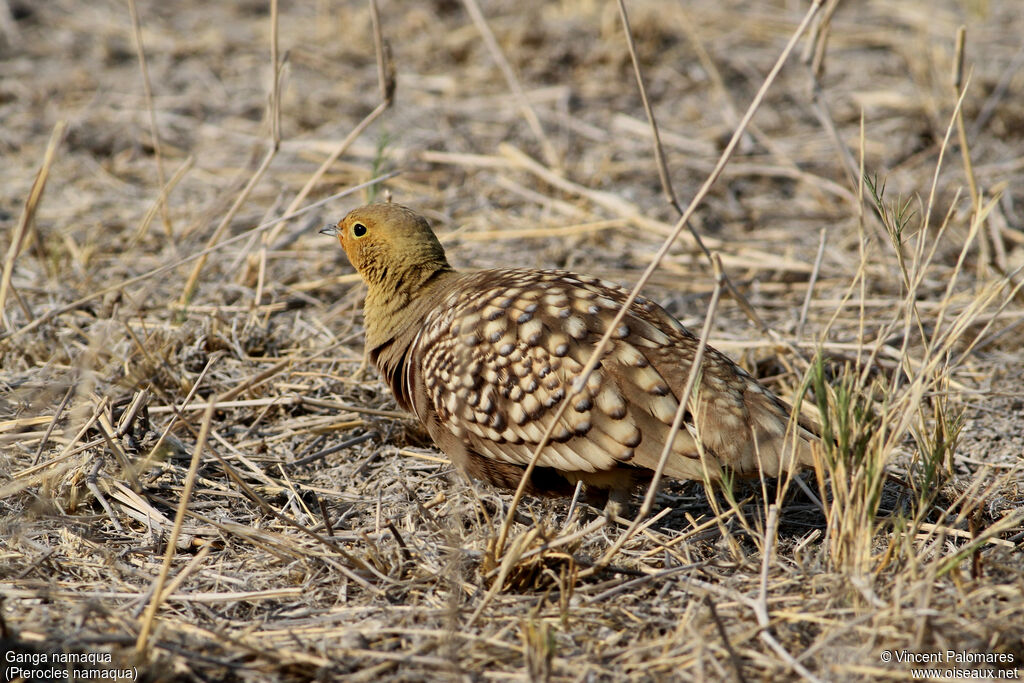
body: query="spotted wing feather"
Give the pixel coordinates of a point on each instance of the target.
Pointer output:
(502, 349)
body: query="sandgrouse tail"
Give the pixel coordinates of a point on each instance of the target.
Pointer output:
(484, 358)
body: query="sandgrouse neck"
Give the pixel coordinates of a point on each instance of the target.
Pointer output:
(484, 358)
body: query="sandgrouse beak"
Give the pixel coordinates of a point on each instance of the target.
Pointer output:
(329, 229)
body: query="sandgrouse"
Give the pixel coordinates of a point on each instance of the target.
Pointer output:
(484, 358)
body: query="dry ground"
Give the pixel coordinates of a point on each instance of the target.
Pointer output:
(375, 561)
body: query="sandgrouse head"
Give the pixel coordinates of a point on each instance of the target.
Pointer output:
(383, 241)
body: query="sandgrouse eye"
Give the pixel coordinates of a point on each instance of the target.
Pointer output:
(484, 358)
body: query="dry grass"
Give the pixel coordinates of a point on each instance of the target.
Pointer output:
(200, 476)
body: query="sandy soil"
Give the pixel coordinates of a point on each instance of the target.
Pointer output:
(375, 561)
